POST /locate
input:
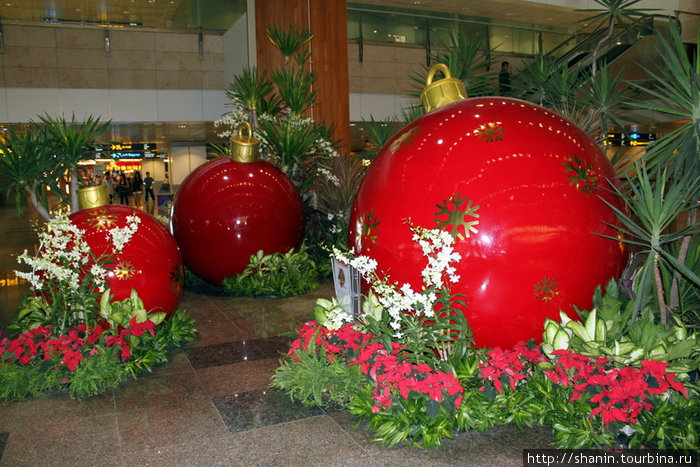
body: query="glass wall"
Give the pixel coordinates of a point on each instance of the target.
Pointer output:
(208, 14)
(384, 27)
(376, 24)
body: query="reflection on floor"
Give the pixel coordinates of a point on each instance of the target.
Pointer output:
(211, 405)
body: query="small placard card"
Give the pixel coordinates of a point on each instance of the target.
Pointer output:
(347, 286)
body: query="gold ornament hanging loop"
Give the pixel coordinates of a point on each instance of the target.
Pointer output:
(244, 148)
(442, 92)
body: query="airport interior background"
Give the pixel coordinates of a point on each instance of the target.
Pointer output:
(159, 72)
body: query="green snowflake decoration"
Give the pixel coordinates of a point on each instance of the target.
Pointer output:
(370, 228)
(546, 289)
(457, 217)
(491, 132)
(405, 139)
(582, 175)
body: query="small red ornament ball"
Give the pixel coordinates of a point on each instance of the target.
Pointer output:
(225, 211)
(520, 189)
(150, 261)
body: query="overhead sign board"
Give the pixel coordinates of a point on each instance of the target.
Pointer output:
(126, 150)
(630, 139)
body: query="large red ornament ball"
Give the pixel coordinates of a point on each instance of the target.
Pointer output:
(225, 211)
(150, 261)
(519, 188)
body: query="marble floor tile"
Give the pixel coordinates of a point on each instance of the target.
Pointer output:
(177, 363)
(60, 406)
(3, 441)
(237, 378)
(264, 407)
(152, 428)
(225, 354)
(217, 330)
(157, 391)
(65, 441)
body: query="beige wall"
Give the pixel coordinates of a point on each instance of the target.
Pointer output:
(385, 69)
(75, 57)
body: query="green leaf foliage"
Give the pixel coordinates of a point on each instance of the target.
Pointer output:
(275, 274)
(100, 367)
(314, 381)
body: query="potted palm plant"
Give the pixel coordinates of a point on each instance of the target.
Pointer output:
(44, 155)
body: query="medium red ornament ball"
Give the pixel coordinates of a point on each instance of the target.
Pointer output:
(150, 261)
(225, 211)
(519, 188)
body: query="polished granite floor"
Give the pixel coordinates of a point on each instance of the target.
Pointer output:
(211, 404)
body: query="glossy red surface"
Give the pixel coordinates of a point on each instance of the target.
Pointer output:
(521, 185)
(225, 211)
(150, 262)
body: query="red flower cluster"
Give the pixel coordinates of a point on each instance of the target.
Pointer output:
(391, 373)
(510, 366)
(620, 393)
(346, 340)
(40, 344)
(383, 366)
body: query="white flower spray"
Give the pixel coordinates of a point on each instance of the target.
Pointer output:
(65, 269)
(398, 300)
(120, 236)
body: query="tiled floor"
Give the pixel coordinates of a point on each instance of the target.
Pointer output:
(211, 404)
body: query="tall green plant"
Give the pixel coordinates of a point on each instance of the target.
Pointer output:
(614, 14)
(654, 207)
(26, 161)
(252, 91)
(379, 132)
(293, 142)
(607, 94)
(533, 80)
(674, 93)
(468, 60)
(295, 88)
(70, 141)
(290, 42)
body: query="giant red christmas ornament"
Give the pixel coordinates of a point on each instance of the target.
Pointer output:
(150, 261)
(227, 210)
(519, 188)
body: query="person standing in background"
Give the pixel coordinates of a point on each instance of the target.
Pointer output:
(504, 87)
(136, 187)
(122, 188)
(148, 188)
(109, 181)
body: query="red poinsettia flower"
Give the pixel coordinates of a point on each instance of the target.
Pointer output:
(71, 359)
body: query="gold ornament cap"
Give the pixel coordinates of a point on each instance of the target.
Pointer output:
(93, 196)
(441, 92)
(244, 148)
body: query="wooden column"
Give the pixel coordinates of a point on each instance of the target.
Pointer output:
(327, 21)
